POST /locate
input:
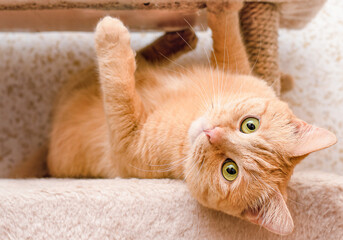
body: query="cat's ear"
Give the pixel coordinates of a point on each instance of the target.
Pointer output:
(310, 138)
(274, 216)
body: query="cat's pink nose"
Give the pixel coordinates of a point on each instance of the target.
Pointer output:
(214, 135)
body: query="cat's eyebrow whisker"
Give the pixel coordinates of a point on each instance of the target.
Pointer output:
(200, 88)
(219, 80)
(224, 58)
(189, 24)
(187, 42)
(209, 62)
(258, 55)
(184, 40)
(213, 91)
(174, 62)
(204, 51)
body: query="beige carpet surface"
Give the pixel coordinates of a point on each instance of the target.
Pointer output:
(34, 66)
(155, 209)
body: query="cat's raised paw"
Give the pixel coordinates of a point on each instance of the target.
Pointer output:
(109, 32)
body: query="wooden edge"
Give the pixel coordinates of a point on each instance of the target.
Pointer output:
(86, 19)
(163, 15)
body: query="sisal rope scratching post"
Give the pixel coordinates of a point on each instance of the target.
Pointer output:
(259, 26)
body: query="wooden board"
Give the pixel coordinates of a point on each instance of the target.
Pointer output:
(163, 15)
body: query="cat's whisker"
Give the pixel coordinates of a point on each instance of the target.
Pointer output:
(218, 79)
(190, 171)
(220, 88)
(190, 25)
(224, 58)
(184, 40)
(177, 162)
(180, 176)
(202, 93)
(174, 62)
(274, 81)
(209, 63)
(202, 164)
(174, 164)
(167, 166)
(203, 49)
(213, 90)
(258, 55)
(154, 170)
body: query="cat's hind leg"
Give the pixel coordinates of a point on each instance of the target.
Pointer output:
(123, 107)
(167, 48)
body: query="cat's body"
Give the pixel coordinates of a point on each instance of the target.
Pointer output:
(172, 101)
(228, 136)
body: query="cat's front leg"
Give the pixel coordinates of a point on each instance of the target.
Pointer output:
(116, 61)
(228, 48)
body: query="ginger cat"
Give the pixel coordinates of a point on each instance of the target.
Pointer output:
(227, 135)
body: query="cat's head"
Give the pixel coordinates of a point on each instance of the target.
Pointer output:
(244, 150)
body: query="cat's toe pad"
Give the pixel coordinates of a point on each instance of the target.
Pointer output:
(111, 31)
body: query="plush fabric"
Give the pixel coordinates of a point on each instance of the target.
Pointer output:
(33, 67)
(155, 209)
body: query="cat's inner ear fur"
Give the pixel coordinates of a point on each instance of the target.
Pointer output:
(273, 215)
(310, 138)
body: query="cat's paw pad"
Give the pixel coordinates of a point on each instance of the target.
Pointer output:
(111, 31)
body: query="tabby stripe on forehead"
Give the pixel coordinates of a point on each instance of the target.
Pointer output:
(271, 160)
(267, 157)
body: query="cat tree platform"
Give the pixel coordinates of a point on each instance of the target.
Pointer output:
(155, 209)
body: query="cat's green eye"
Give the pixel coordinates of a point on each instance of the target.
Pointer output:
(230, 170)
(250, 125)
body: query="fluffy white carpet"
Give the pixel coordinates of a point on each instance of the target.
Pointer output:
(155, 209)
(33, 67)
